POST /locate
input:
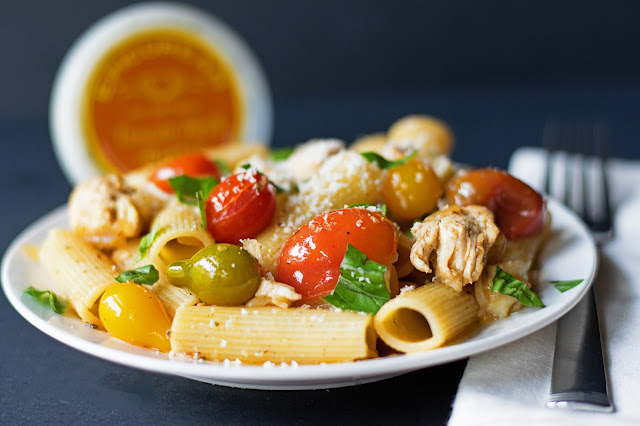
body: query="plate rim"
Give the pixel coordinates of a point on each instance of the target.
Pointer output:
(304, 376)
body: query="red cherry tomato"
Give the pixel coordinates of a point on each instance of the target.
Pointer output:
(518, 209)
(310, 260)
(194, 165)
(240, 206)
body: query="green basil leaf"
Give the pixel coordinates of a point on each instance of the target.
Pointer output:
(47, 297)
(145, 243)
(563, 286)
(281, 154)
(383, 163)
(143, 275)
(382, 208)
(361, 286)
(202, 206)
(186, 187)
(505, 283)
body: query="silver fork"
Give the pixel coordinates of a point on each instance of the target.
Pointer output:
(578, 380)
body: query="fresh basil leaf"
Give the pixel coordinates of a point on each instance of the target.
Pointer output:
(202, 206)
(383, 163)
(143, 275)
(279, 189)
(186, 187)
(361, 286)
(505, 283)
(47, 297)
(145, 243)
(223, 166)
(281, 154)
(382, 208)
(563, 286)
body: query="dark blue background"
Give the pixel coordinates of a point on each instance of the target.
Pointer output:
(495, 70)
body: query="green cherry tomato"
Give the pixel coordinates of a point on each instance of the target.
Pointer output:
(221, 274)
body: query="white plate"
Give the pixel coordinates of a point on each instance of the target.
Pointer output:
(569, 254)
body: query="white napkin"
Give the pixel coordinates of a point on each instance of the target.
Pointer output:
(509, 385)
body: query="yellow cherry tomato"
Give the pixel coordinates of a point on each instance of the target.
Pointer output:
(135, 314)
(429, 135)
(411, 190)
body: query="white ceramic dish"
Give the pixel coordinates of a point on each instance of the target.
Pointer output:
(569, 254)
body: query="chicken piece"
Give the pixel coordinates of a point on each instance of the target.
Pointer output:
(456, 241)
(274, 293)
(106, 211)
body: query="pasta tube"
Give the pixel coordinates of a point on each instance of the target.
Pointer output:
(171, 296)
(426, 318)
(257, 335)
(81, 271)
(179, 235)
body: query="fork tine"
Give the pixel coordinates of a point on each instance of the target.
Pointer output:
(571, 168)
(601, 219)
(550, 145)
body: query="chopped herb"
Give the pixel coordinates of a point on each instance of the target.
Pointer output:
(563, 286)
(194, 191)
(279, 189)
(145, 243)
(383, 163)
(187, 187)
(48, 298)
(202, 206)
(361, 286)
(281, 154)
(381, 207)
(505, 283)
(143, 275)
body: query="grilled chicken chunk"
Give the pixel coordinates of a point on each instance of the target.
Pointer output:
(454, 244)
(106, 210)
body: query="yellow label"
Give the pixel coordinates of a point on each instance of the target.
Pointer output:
(156, 95)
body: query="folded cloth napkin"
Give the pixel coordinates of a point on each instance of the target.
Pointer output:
(509, 385)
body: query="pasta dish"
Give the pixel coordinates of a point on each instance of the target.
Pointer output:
(321, 253)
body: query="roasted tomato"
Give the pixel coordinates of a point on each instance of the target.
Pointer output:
(241, 206)
(310, 260)
(133, 313)
(194, 165)
(411, 190)
(518, 209)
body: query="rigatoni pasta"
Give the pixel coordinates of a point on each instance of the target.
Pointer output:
(257, 335)
(82, 271)
(173, 297)
(178, 234)
(426, 317)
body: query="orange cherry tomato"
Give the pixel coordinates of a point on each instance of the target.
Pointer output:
(518, 209)
(194, 165)
(239, 207)
(310, 260)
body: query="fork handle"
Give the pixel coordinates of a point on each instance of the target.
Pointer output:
(578, 379)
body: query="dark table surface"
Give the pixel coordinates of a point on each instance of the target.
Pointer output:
(44, 381)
